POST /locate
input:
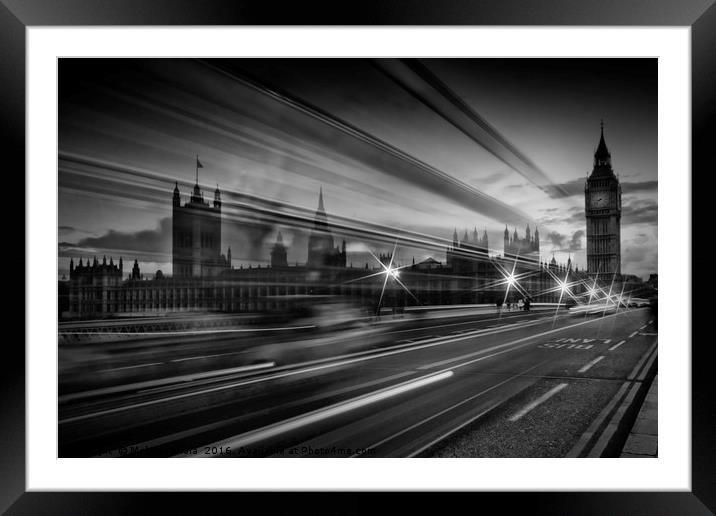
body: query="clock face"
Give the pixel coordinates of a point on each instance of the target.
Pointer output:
(599, 200)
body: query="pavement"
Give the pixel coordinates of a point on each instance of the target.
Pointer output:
(643, 438)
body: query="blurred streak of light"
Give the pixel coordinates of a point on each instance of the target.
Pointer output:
(315, 416)
(413, 76)
(293, 152)
(361, 146)
(262, 209)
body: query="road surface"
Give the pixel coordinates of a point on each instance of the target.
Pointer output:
(510, 385)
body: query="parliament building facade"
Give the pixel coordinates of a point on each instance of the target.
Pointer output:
(204, 279)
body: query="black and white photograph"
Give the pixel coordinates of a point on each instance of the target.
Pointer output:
(357, 258)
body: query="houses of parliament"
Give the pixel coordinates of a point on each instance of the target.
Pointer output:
(204, 279)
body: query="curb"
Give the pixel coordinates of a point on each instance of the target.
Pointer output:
(643, 438)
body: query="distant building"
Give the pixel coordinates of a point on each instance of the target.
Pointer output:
(93, 286)
(321, 252)
(462, 255)
(196, 235)
(279, 254)
(203, 279)
(603, 206)
(527, 247)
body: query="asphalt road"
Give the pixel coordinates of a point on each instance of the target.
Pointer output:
(515, 385)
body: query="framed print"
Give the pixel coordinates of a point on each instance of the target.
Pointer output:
(424, 238)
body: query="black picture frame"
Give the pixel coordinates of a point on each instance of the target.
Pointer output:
(16, 15)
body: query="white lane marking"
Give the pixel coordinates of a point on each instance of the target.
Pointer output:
(404, 348)
(128, 367)
(588, 366)
(482, 351)
(470, 355)
(615, 346)
(650, 322)
(162, 382)
(618, 417)
(587, 436)
(643, 326)
(192, 332)
(315, 416)
(607, 341)
(547, 395)
(453, 430)
(197, 430)
(644, 358)
(460, 403)
(647, 366)
(648, 334)
(630, 336)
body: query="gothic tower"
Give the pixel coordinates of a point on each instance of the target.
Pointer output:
(603, 209)
(321, 252)
(279, 254)
(196, 234)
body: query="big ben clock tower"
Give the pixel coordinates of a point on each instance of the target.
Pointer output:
(603, 207)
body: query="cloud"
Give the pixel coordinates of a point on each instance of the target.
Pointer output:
(634, 211)
(575, 244)
(568, 189)
(564, 243)
(639, 260)
(640, 211)
(576, 187)
(556, 238)
(495, 176)
(576, 216)
(247, 238)
(151, 241)
(643, 186)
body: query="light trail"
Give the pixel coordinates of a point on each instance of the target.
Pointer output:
(297, 422)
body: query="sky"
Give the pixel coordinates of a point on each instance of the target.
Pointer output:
(271, 132)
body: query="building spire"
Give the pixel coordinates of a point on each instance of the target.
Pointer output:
(320, 199)
(176, 197)
(198, 166)
(321, 220)
(197, 192)
(601, 155)
(217, 197)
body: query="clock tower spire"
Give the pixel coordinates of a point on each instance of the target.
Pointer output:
(603, 208)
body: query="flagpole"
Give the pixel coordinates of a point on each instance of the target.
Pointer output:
(197, 169)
